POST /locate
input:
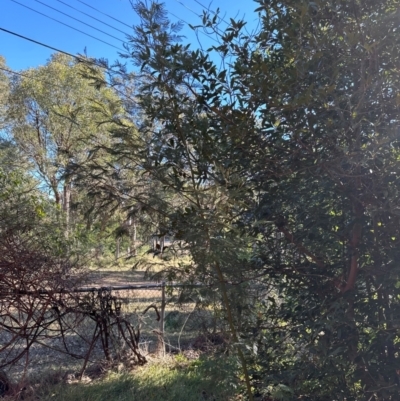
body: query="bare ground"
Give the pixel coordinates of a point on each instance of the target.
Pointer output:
(114, 278)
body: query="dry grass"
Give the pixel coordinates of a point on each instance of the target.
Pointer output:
(140, 267)
(168, 379)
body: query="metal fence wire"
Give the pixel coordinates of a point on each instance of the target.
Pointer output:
(83, 326)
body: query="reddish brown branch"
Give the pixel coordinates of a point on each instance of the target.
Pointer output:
(300, 247)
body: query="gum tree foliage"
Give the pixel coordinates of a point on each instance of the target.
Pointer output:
(285, 157)
(119, 196)
(32, 239)
(34, 253)
(120, 188)
(53, 120)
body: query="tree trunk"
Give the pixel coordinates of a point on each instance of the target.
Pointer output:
(118, 243)
(134, 238)
(67, 206)
(54, 187)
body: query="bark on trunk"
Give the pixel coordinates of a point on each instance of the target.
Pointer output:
(54, 187)
(67, 206)
(117, 248)
(134, 238)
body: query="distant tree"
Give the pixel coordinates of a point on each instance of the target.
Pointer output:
(53, 121)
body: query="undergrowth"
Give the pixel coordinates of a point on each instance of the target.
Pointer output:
(171, 379)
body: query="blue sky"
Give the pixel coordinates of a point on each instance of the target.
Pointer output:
(21, 54)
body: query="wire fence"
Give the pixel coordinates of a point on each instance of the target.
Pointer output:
(79, 328)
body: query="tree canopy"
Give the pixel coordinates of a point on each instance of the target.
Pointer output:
(52, 117)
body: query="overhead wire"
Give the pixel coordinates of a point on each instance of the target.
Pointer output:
(82, 22)
(79, 58)
(82, 59)
(187, 23)
(101, 12)
(188, 8)
(69, 26)
(54, 85)
(214, 12)
(27, 76)
(91, 16)
(174, 15)
(194, 27)
(41, 44)
(129, 26)
(217, 31)
(57, 86)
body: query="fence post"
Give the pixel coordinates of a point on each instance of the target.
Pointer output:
(161, 340)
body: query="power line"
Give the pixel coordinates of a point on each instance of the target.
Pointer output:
(188, 8)
(187, 23)
(80, 59)
(217, 30)
(90, 16)
(76, 19)
(47, 83)
(69, 26)
(208, 9)
(12, 72)
(197, 15)
(216, 14)
(27, 76)
(101, 12)
(42, 44)
(55, 86)
(123, 23)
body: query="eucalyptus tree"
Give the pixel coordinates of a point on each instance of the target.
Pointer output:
(198, 189)
(54, 122)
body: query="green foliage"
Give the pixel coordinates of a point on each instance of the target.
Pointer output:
(34, 252)
(331, 124)
(277, 173)
(53, 119)
(168, 381)
(26, 213)
(4, 91)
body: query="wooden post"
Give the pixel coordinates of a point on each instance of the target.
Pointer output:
(161, 339)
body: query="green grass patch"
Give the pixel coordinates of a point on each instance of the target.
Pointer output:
(172, 379)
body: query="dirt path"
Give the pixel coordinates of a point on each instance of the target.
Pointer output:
(114, 278)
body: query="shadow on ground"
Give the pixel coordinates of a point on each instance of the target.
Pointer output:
(172, 379)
